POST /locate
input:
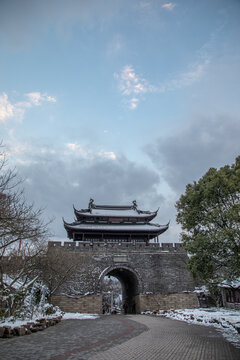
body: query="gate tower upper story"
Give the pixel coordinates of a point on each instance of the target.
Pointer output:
(111, 223)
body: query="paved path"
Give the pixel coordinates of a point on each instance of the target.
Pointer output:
(132, 337)
(169, 339)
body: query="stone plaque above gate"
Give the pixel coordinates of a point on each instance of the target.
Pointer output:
(121, 258)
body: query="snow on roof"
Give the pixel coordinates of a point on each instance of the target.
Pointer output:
(130, 212)
(201, 289)
(230, 284)
(116, 212)
(123, 227)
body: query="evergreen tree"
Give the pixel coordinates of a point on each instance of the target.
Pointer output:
(209, 213)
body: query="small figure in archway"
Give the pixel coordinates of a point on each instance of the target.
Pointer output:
(104, 309)
(134, 308)
(125, 307)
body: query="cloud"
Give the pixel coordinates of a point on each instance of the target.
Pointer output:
(132, 86)
(187, 154)
(22, 23)
(144, 4)
(168, 6)
(6, 108)
(86, 152)
(187, 78)
(17, 110)
(115, 46)
(56, 180)
(107, 154)
(36, 98)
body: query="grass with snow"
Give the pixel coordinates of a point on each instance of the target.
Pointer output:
(225, 320)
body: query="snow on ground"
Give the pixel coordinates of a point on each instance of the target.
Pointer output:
(225, 320)
(79, 316)
(10, 321)
(16, 322)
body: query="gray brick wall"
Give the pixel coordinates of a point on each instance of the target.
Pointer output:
(153, 270)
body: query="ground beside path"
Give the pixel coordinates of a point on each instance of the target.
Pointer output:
(128, 337)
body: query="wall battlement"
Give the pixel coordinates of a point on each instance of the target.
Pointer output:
(121, 246)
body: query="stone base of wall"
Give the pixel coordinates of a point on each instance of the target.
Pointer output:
(233, 306)
(165, 302)
(91, 304)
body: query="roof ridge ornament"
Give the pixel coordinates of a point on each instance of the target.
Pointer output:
(91, 204)
(134, 206)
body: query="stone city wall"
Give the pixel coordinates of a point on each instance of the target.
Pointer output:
(91, 304)
(154, 302)
(156, 269)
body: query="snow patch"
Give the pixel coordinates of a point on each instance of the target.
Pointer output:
(79, 316)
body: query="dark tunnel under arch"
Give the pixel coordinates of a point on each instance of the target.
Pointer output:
(131, 286)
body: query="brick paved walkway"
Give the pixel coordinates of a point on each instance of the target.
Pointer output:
(169, 339)
(132, 337)
(69, 339)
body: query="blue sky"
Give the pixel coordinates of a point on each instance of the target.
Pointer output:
(118, 100)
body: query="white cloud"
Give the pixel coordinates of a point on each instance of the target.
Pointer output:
(36, 98)
(78, 150)
(9, 110)
(6, 108)
(107, 155)
(132, 86)
(17, 110)
(133, 103)
(189, 77)
(168, 6)
(89, 154)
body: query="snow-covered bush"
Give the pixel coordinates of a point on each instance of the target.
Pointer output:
(36, 302)
(11, 302)
(26, 303)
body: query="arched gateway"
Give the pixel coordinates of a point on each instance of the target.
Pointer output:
(121, 241)
(131, 286)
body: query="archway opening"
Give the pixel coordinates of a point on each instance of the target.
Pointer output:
(123, 295)
(111, 295)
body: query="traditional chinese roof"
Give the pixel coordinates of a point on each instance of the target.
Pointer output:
(113, 222)
(111, 211)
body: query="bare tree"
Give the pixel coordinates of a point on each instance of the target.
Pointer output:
(19, 221)
(57, 266)
(22, 230)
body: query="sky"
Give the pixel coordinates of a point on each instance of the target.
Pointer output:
(118, 100)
